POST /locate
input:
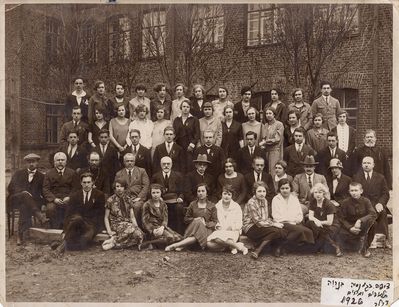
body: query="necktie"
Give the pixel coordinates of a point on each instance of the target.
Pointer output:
(30, 176)
(258, 177)
(60, 173)
(130, 176)
(368, 177)
(87, 198)
(166, 182)
(103, 149)
(332, 153)
(251, 151)
(310, 182)
(74, 124)
(168, 147)
(327, 100)
(208, 151)
(70, 152)
(134, 149)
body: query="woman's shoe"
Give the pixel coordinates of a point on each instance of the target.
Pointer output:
(338, 252)
(234, 251)
(254, 255)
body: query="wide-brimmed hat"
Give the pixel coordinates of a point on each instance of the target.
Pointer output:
(202, 158)
(309, 160)
(335, 163)
(31, 156)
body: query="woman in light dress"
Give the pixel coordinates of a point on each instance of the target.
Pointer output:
(144, 125)
(119, 128)
(180, 91)
(159, 126)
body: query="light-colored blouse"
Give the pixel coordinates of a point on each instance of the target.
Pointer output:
(230, 217)
(286, 210)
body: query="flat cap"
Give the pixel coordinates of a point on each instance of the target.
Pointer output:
(31, 156)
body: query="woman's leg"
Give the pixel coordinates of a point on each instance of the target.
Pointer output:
(183, 243)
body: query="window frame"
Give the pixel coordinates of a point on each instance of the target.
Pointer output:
(144, 51)
(54, 116)
(121, 37)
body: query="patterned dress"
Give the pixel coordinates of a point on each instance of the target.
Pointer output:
(127, 234)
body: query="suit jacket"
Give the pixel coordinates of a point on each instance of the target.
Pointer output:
(216, 156)
(239, 114)
(143, 158)
(173, 187)
(342, 190)
(55, 186)
(92, 212)
(82, 129)
(109, 161)
(79, 159)
(19, 183)
(267, 179)
(176, 154)
(352, 210)
(195, 109)
(376, 189)
(329, 112)
(186, 133)
(139, 183)
(301, 187)
(71, 102)
(324, 157)
(244, 159)
(294, 160)
(192, 179)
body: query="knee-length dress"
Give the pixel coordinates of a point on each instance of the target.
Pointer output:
(229, 222)
(127, 234)
(197, 228)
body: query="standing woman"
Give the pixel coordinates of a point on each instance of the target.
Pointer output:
(272, 139)
(287, 210)
(180, 91)
(95, 128)
(119, 128)
(202, 219)
(120, 221)
(160, 99)
(232, 136)
(221, 103)
(144, 125)
(229, 224)
(278, 105)
(317, 136)
(187, 134)
(159, 127)
(302, 108)
(322, 219)
(197, 101)
(140, 98)
(98, 100)
(257, 224)
(252, 124)
(234, 179)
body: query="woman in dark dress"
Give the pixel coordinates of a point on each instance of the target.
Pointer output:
(202, 218)
(98, 100)
(94, 128)
(232, 136)
(187, 130)
(197, 101)
(322, 219)
(278, 105)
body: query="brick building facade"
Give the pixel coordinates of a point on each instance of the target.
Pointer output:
(34, 100)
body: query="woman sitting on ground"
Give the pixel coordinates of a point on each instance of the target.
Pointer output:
(229, 224)
(322, 219)
(258, 225)
(155, 219)
(287, 210)
(202, 218)
(120, 221)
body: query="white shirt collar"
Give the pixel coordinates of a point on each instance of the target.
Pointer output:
(83, 93)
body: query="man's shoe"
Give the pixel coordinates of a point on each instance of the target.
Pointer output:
(366, 253)
(54, 244)
(61, 248)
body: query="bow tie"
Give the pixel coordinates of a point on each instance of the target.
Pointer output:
(32, 172)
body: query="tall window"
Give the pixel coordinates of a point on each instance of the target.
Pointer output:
(119, 39)
(53, 39)
(89, 45)
(208, 25)
(53, 122)
(154, 33)
(262, 24)
(340, 17)
(349, 99)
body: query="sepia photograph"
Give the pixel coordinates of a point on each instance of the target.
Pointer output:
(197, 152)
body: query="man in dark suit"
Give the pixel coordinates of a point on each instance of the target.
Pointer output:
(174, 193)
(326, 154)
(78, 98)
(168, 148)
(76, 154)
(197, 176)
(142, 154)
(84, 216)
(247, 153)
(101, 182)
(109, 158)
(370, 149)
(338, 183)
(76, 124)
(241, 108)
(296, 153)
(258, 174)
(25, 193)
(376, 190)
(138, 182)
(214, 154)
(59, 182)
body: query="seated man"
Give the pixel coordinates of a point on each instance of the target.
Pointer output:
(58, 184)
(84, 215)
(76, 154)
(214, 154)
(173, 183)
(376, 190)
(197, 176)
(77, 125)
(303, 182)
(100, 179)
(247, 153)
(259, 174)
(357, 216)
(25, 193)
(337, 182)
(138, 183)
(330, 152)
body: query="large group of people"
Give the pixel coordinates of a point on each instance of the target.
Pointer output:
(189, 171)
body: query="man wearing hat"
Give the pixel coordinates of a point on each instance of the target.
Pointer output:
(197, 176)
(25, 193)
(210, 123)
(303, 182)
(338, 183)
(241, 108)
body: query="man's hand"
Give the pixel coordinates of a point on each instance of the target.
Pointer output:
(358, 224)
(318, 223)
(158, 231)
(66, 200)
(278, 225)
(379, 207)
(58, 201)
(179, 200)
(354, 230)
